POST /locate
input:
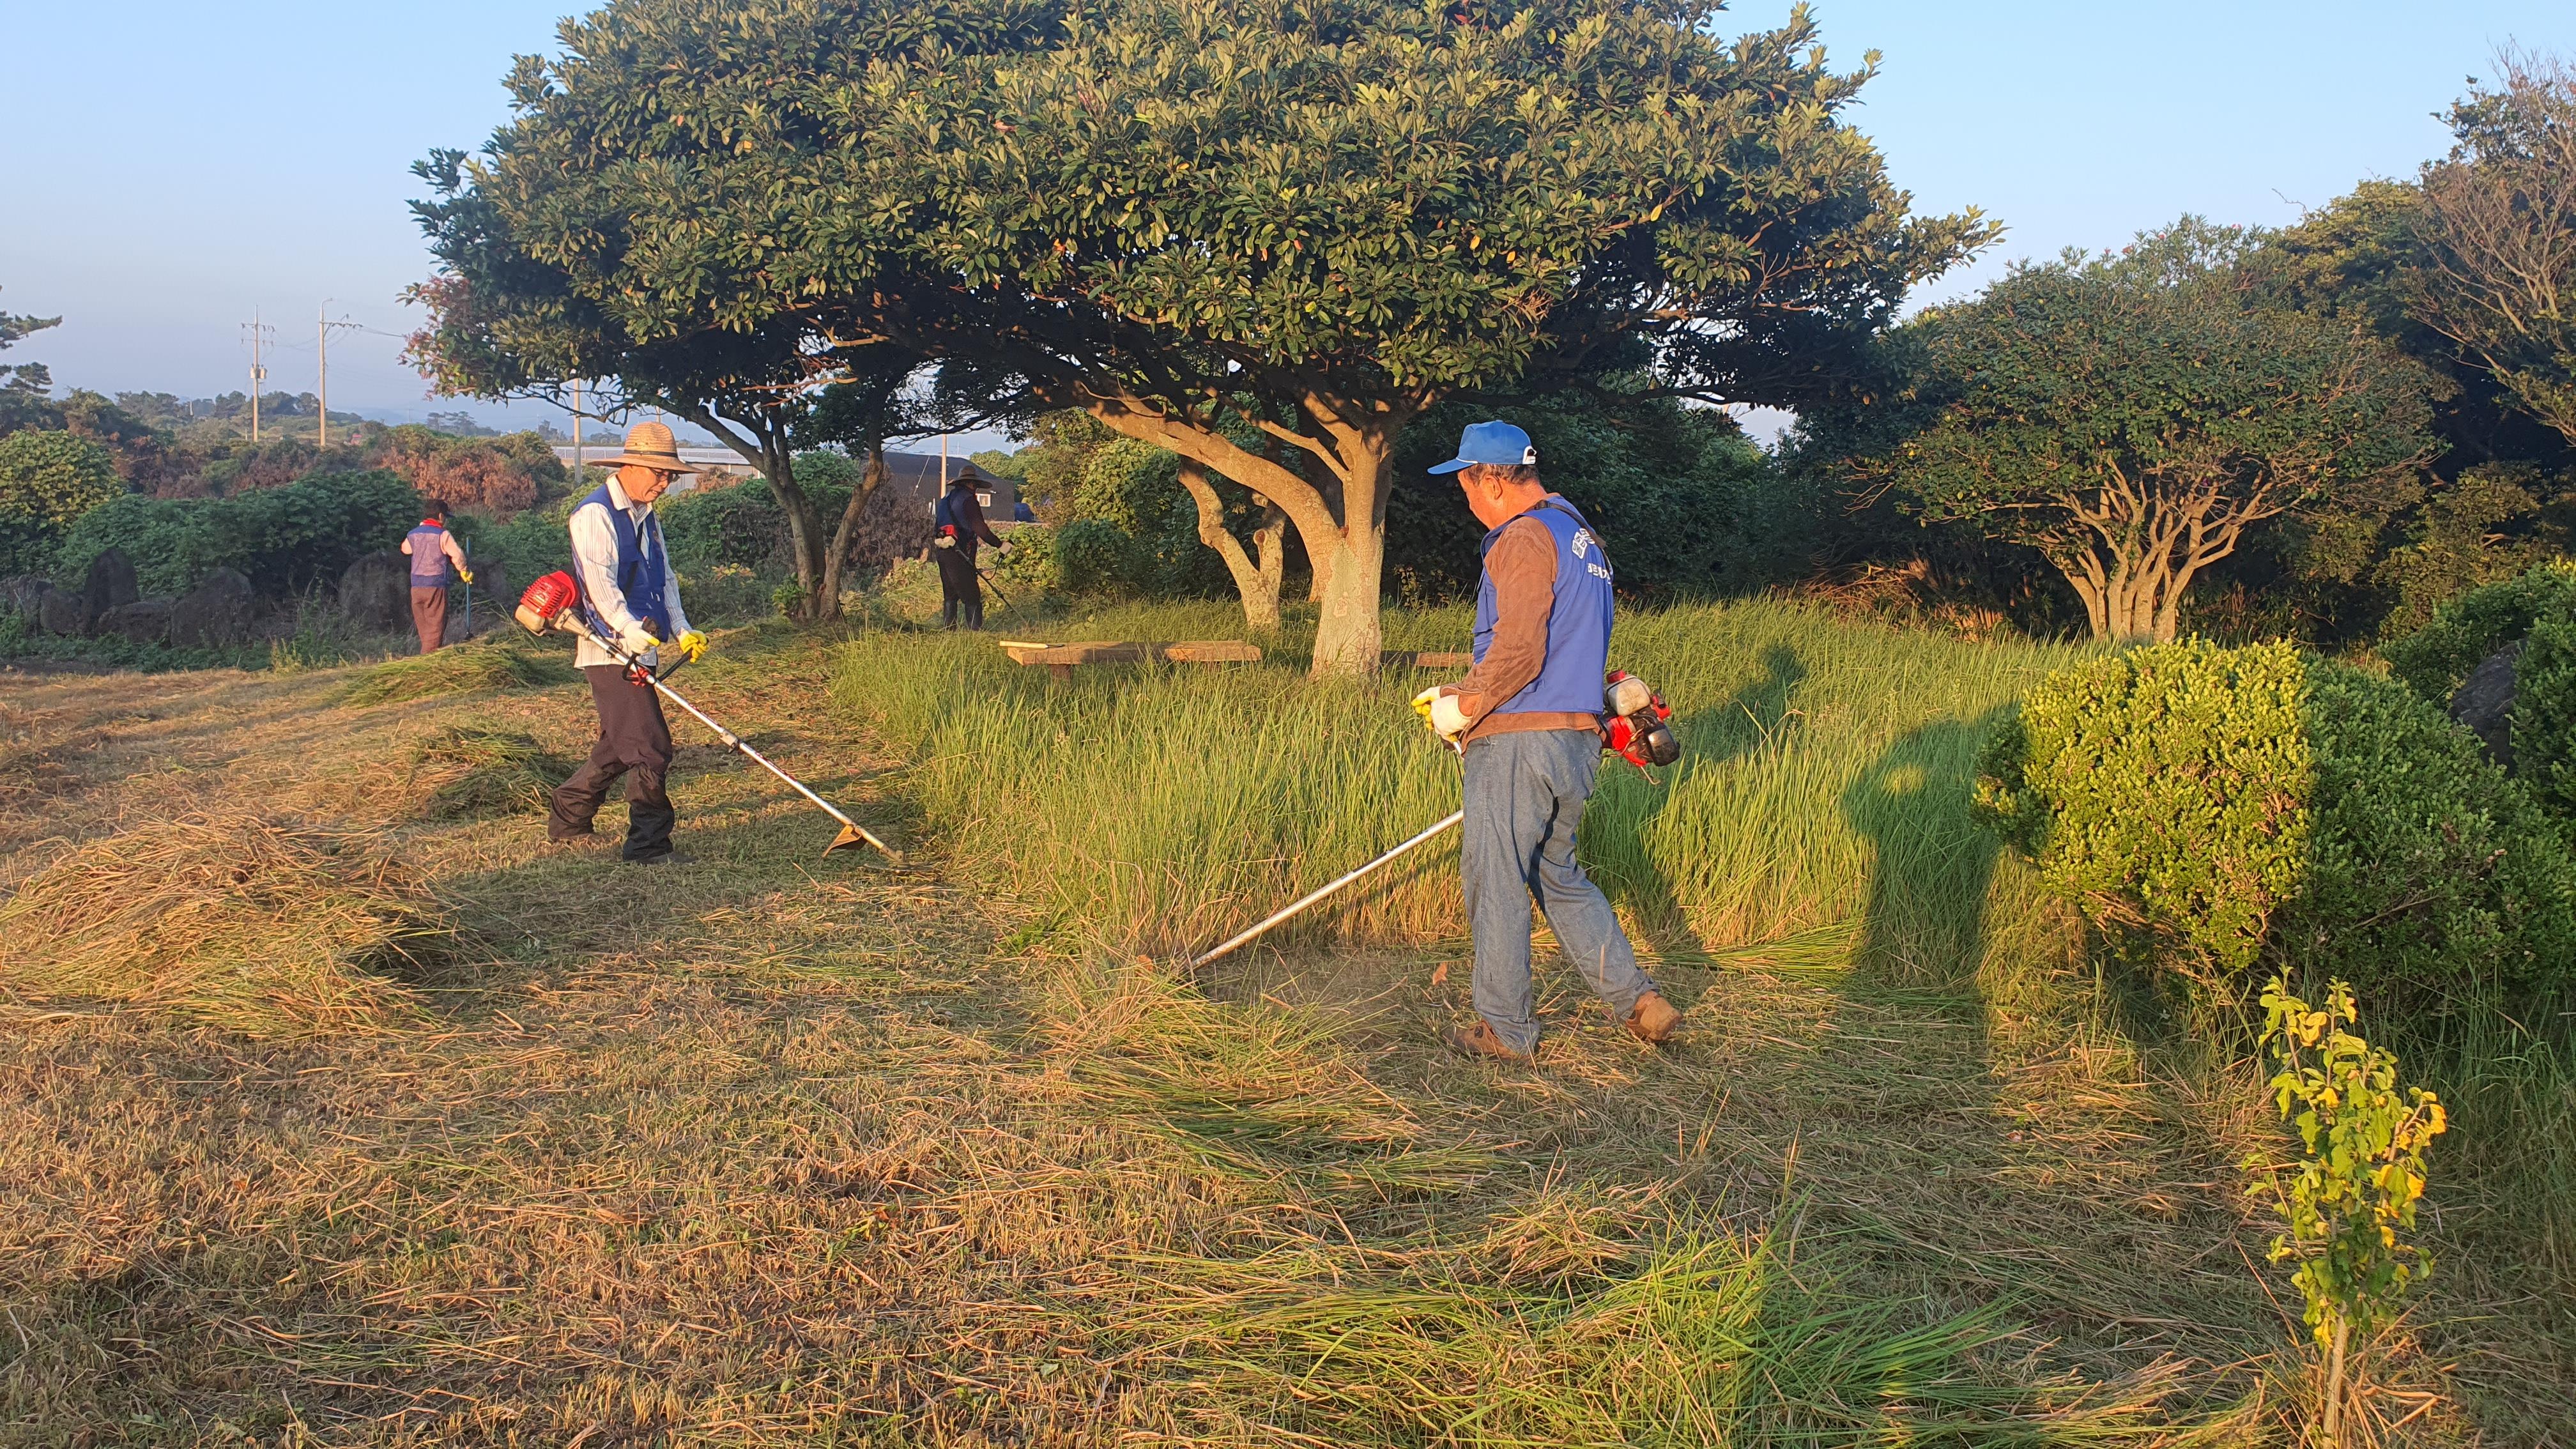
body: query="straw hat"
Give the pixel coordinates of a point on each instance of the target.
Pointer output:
(651, 445)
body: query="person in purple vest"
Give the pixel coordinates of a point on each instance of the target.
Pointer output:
(631, 596)
(1528, 718)
(432, 549)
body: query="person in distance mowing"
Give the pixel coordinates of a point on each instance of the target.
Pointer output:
(629, 594)
(959, 523)
(433, 550)
(1528, 718)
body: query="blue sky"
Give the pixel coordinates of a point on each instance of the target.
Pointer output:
(170, 167)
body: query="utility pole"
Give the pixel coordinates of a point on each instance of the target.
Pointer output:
(322, 350)
(576, 433)
(258, 373)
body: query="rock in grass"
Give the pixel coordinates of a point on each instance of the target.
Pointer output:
(58, 612)
(213, 614)
(145, 621)
(233, 920)
(461, 670)
(109, 585)
(462, 771)
(375, 592)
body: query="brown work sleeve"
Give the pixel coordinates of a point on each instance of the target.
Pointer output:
(1522, 564)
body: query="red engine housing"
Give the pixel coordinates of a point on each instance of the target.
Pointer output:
(546, 599)
(1644, 736)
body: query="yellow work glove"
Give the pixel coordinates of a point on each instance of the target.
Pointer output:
(465, 573)
(1441, 713)
(691, 644)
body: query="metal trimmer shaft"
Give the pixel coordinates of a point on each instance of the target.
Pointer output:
(1319, 892)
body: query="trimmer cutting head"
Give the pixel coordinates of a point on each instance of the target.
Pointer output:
(852, 837)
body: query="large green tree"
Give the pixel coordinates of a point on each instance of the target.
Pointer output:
(2132, 417)
(1185, 216)
(2499, 231)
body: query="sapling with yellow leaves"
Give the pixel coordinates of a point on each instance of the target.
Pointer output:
(2354, 1190)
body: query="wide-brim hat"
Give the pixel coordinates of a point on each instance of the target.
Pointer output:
(650, 445)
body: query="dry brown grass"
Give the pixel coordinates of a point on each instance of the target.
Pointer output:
(777, 1152)
(232, 919)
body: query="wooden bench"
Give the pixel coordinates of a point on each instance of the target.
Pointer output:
(1060, 659)
(1424, 659)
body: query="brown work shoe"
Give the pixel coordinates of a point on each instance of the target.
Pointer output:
(1477, 1039)
(1652, 1019)
(581, 844)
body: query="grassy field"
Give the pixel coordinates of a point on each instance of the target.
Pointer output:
(513, 1147)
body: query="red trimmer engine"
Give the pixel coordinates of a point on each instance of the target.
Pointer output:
(545, 601)
(1640, 730)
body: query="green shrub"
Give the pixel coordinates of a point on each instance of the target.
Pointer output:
(47, 481)
(2250, 805)
(285, 539)
(2437, 659)
(2544, 712)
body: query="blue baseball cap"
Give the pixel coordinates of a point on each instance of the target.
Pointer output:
(1496, 443)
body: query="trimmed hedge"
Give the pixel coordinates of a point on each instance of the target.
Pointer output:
(2544, 712)
(2259, 807)
(2437, 659)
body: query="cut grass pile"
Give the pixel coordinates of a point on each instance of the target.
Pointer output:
(492, 662)
(468, 770)
(1824, 782)
(229, 919)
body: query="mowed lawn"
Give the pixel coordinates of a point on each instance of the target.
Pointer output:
(502, 1146)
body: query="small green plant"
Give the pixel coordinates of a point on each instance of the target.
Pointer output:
(2353, 1192)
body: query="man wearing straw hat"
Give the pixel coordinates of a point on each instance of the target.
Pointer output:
(629, 595)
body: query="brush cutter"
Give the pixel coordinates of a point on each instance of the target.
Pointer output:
(1640, 732)
(551, 604)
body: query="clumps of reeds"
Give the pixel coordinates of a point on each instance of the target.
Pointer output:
(465, 669)
(468, 771)
(230, 919)
(1571, 1322)
(1255, 1091)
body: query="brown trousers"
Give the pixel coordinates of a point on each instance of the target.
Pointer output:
(429, 615)
(634, 741)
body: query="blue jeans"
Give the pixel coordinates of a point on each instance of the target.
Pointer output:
(1524, 797)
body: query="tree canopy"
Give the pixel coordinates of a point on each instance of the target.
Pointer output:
(1187, 215)
(2130, 417)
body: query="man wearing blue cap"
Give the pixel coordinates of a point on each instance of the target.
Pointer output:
(1528, 718)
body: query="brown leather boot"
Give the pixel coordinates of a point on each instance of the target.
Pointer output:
(1652, 1019)
(1477, 1039)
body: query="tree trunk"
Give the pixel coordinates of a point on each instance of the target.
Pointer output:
(1256, 582)
(827, 598)
(767, 449)
(1347, 545)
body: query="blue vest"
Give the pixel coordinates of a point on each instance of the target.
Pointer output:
(428, 560)
(1578, 625)
(639, 568)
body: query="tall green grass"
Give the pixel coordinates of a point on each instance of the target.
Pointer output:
(1825, 780)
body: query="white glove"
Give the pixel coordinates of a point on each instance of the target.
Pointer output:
(1441, 712)
(943, 541)
(637, 640)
